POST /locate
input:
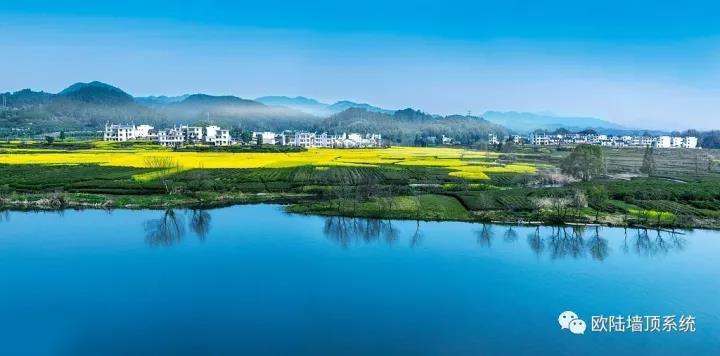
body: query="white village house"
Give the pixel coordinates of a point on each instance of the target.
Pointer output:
(217, 136)
(612, 141)
(122, 133)
(176, 136)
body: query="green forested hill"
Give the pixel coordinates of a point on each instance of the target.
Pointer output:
(408, 125)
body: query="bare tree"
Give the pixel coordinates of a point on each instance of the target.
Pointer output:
(167, 166)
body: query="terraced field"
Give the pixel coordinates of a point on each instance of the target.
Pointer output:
(670, 162)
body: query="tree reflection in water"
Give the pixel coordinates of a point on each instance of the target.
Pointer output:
(662, 242)
(170, 227)
(348, 230)
(510, 235)
(536, 243)
(557, 242)
(164, 231)
(417, 236)
(484, 235)
(200, 223)
(564, 242)
(4, 215)
(598, 246)
(571, 242)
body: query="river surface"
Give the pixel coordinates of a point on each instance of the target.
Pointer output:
(255, 280)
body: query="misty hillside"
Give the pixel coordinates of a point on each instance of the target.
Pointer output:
(231, 111)
(81, 106)
(159, 100)
(300, 103)
(345, 104)
(405, 126)
(524, 122)
(87, 106)
(314, 107)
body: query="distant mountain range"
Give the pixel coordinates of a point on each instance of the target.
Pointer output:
(524, 122)
(160, 100)
(84, 106)
(314, 107)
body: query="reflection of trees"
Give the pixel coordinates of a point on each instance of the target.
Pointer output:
(662, 243)
(510, 235)
(166, 230)
(347, 230)
(485, 235)
(563, 243)
(200, 223)
(416, 236)
(537, 245)
(4, 216)
(598, 246)
(570, 242)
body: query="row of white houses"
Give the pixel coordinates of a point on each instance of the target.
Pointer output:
(615, 141)
(176, 136)
(602, 140)
(216, 136)
(313, 139)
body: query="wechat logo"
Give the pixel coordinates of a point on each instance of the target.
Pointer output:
(569, 320)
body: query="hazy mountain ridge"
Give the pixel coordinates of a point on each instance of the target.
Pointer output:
(300, 103)
(407, 126)
(160, 100)
(90, 105)
(94, 93)
(317, 108)
(525, 122)
(83, 106)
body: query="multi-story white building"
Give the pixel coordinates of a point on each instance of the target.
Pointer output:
(143, 131)
(328, 141)
(171, 138)
(690, 142)
(493, 139)
(119, 133)
(218, 137)
(303, 139)
(266, 137)
(664, 142)
(193, 134)
(210, 131)
(677, 141)
(541, 139)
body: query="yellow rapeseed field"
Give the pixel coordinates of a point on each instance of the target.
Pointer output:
(461, 163)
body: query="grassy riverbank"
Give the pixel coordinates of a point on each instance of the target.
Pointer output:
(405, 183)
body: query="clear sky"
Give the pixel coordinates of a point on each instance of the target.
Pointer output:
(652, 64)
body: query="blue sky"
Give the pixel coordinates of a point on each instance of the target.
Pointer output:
(639, 63)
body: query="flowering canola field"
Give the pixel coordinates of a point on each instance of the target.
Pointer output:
(461, 163)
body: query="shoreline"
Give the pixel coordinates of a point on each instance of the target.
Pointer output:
(303, 204)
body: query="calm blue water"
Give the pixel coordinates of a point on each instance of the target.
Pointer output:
(254, 280)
